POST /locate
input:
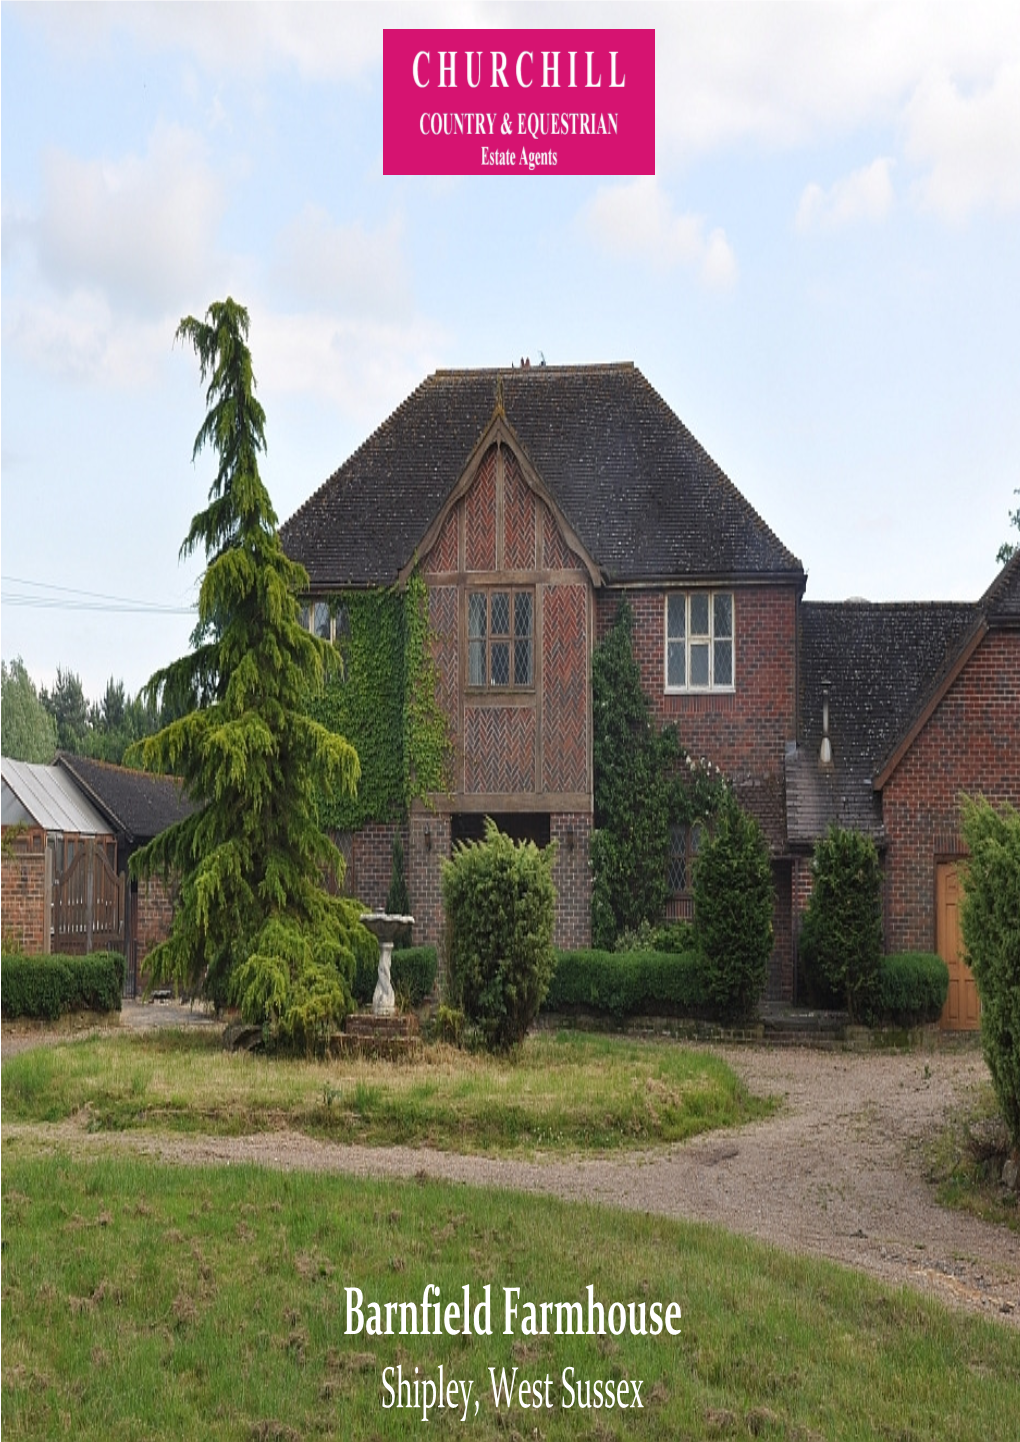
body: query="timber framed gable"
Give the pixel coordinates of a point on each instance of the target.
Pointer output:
(512, 613)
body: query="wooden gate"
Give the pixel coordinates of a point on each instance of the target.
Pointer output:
(88, 897)
(962, 1011)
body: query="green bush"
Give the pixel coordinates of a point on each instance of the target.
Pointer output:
(412, 974)
(733, 902)
(621, 984)
(499, 900)
(910, 989)
(991, 933)
(46, 987)
(841, 936)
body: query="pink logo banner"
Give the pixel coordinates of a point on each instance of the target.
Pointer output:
(511, 102)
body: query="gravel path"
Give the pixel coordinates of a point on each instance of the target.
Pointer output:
(838, 1173)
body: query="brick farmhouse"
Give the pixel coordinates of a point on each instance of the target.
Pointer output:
(531, 501)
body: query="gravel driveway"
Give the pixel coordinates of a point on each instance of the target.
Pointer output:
(838, 1173)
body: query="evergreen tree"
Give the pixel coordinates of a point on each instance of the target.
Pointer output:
(634, 793)
(29, 731)
(67, 705)
(253, 916)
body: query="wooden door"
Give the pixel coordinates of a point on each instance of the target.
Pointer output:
(962, 1011)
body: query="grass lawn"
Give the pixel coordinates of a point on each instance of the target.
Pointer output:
(563, 1093)
(148, 1301)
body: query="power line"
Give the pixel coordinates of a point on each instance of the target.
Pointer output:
(71, 598)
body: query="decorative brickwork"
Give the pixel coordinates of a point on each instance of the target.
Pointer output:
(443, 624)
(428, 845)
(565, 689)
(480, 523)
(518, 518)
(971, 745)
(556, 554)
(26, 925)
(572, 879)
(445, 554)
(499, 749)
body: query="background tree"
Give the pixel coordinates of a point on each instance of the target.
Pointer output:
(1008, 548)
(29, 731)
(253, 915)
(67, 705)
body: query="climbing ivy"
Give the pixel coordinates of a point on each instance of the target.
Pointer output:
(384, 701)
(427, 746)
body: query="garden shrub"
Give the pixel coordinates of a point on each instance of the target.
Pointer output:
(499, 900)
(991, 933)
(841, 936)
(47, 987)
(621, 984)
(733, 902)
(910, 989)
(412, 974)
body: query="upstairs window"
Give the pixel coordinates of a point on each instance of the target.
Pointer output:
(501, 638)
(328, 622)
(699, 641)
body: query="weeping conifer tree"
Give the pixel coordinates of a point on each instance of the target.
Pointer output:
(252, 918)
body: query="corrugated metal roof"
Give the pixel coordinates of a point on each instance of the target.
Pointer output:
(51, 798)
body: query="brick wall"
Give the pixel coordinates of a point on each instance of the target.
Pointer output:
(428, 843)
(153, 905)
(23, 898)
(971, 744)
(373, 863)
(743, 731)
(572, 879)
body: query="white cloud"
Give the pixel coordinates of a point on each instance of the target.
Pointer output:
(971, 142)
(346, 266)
(139, 230)
(358, 363)
(866, 194)
(80, 339)
(637, 220)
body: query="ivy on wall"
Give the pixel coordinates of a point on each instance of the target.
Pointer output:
(383, 700)
(428, 751)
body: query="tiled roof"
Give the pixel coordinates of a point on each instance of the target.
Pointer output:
(1000, 605)
(643, 497)
(882, 663)
(138, 806)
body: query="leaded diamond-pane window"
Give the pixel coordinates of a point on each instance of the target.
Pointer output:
(700, 641)
(501, 638)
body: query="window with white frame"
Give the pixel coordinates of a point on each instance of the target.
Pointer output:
(501, 638)
(699, 641)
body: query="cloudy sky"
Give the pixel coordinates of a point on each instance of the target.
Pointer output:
(822, 279)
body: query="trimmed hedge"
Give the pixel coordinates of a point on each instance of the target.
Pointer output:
(412, 973)
(634, 983)
(911, 988)
(46, 987)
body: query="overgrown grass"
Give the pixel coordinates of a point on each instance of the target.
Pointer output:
(965, 1163)
(561, 1093)
(141, 1300)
